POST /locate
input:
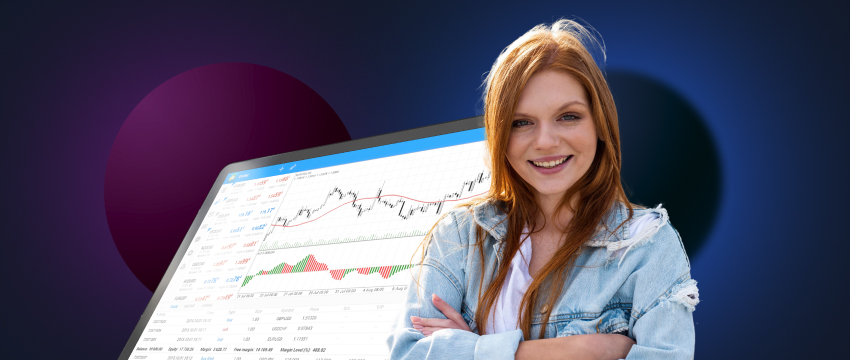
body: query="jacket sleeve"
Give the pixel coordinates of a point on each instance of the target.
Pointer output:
(665, 297)
(442, 273)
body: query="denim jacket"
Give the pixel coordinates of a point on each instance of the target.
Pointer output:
(637, 285)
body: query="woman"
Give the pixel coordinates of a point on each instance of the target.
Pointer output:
(555, 262)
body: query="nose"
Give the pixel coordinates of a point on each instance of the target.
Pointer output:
(545, 137)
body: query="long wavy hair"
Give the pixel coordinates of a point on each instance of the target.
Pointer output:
(561, 47)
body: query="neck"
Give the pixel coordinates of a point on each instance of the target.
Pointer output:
(548, 205)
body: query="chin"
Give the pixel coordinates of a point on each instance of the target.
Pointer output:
(552, 192)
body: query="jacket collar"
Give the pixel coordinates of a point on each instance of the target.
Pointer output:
(494, 221)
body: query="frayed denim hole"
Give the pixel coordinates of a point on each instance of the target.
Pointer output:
(685, 294)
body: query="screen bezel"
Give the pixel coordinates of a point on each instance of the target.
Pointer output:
(298, 155)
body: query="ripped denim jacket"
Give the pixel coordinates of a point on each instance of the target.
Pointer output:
(637, 285)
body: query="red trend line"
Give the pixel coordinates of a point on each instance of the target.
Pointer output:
(377, 197)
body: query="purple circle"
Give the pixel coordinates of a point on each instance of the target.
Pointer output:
(171, 148)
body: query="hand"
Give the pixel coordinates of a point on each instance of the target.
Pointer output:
(610, 346)
(429, 326)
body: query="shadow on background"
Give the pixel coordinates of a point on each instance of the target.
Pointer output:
(669, 155)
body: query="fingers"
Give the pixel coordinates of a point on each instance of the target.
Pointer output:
(427, 331)
(441, 323)
(428, 326)
(449, 312)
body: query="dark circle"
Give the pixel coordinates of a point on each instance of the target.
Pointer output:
(669, 155)
(174, 143)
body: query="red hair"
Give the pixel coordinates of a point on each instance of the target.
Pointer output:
(557, 47)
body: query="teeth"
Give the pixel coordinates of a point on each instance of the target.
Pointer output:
(549, 164)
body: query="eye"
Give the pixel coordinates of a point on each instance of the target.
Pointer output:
(520, 123)
(569, 117)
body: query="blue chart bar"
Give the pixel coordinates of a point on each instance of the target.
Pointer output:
(458, 138)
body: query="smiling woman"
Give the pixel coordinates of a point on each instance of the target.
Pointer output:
(553, 132)
(527, 271)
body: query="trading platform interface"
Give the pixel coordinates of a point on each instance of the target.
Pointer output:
(312, 259)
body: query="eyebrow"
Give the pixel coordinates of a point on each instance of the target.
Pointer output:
(566, 105)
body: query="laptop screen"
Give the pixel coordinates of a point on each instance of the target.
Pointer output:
(310, 258)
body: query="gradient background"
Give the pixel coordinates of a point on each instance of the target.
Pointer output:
(768, 79)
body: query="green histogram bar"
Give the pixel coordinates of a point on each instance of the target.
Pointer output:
(309, 264)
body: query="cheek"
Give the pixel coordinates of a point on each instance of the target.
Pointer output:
(585, 141)
(589, 148)
(585, 146)
(514, 150)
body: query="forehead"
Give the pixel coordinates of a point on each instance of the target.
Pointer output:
(548, 90)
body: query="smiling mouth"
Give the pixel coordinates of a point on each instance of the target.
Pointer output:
(549, 164)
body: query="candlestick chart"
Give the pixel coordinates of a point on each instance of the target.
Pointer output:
(377, 200)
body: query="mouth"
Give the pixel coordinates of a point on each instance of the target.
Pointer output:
(549, 164)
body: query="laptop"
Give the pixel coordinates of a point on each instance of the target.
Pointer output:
(308, 254)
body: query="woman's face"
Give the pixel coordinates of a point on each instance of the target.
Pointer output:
(553, 137)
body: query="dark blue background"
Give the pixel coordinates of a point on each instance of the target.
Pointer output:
(768, 78)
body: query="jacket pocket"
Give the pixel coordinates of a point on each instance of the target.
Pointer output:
(614, 319)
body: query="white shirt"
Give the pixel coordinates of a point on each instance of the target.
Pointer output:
(506, 311)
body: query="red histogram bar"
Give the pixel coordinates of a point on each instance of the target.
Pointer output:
(309, 264)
